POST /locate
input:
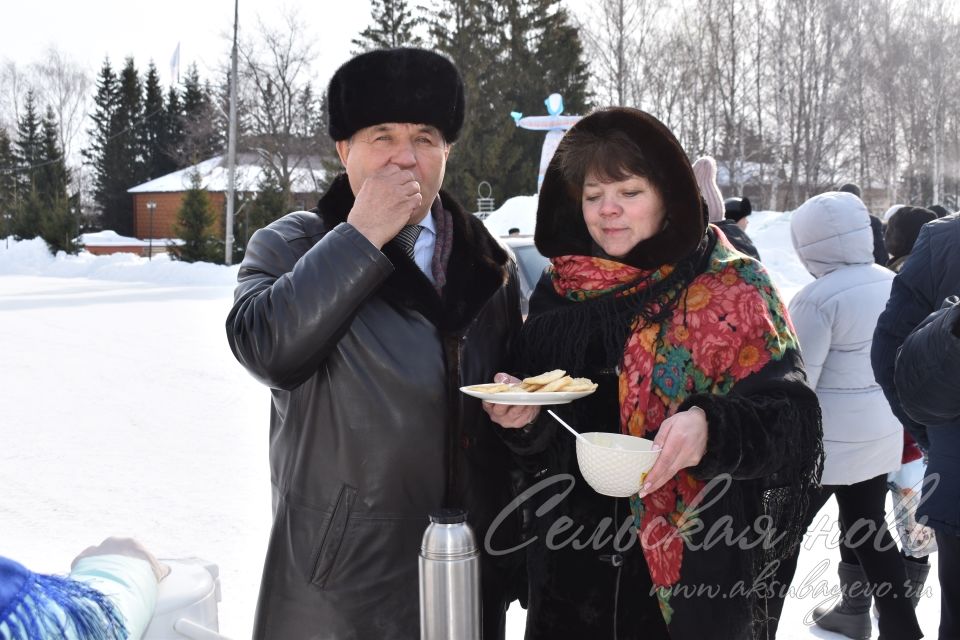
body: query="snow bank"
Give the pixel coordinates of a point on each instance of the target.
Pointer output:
(770, 232)
(32, 258)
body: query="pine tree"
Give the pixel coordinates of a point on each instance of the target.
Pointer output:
(8, 183)
(116, 150)
(154, 132)
(29, 157)
(103, 153)
(394, 25)
(52, 177)
(193, 225)
(512, 54)
(202, 138)
(544, 56)
(132, 122)
(220, 112)
(171, 142)
(268, 205)
(459, 31)
(58, 226)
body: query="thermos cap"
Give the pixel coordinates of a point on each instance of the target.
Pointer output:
(448, 516)
(448, 536)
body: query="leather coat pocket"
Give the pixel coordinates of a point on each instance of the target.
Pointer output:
(328, 543)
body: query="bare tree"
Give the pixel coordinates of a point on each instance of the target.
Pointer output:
(13, 89)
(276, 83)
(617, 35)
(64, 86)
(793, 96)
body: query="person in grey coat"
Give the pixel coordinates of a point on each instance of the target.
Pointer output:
(835, 316)
(364, 316)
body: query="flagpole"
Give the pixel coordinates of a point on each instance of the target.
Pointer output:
(232, 141)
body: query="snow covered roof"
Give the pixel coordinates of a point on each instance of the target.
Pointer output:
(307, 175)
(109, 238)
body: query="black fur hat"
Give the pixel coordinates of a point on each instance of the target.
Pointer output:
(395, 85)
(903, 227)
(561, 229)
(850, 187)
(939, 209)
(737, 208)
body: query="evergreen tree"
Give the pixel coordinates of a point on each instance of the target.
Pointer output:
(459, 31)
(104, 153)
(58, 226)
(52, 177)
(8, 183)
(307, 116)
(202, 138)
(220, 112)
(545, 56)
(269, 204)
(116, 149)
(171, 141)
(393, 26)
(29, 158)
(154, 132)
(193, 225)
(512, 55)
(326, 147)
(132, 122)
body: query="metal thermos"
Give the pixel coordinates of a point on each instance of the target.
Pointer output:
(449, 579)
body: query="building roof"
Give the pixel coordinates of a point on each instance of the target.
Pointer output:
(307, 176)
(109, 238)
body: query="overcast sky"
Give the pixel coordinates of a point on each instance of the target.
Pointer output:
(89, 30)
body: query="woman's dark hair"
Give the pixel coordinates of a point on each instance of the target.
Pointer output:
(903, 228)
(611, 155)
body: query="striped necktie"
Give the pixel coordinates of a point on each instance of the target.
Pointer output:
(407, 238)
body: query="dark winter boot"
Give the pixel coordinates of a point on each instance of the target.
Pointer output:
(850, 616)
(916, 575)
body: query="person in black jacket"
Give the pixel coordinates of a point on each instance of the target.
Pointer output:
(691, 347)
(929, 276)
(928, 383)
(364, 317)
(736, 213)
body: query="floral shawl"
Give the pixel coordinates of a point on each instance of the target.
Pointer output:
(728, 323)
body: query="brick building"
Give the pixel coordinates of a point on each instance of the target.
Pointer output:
(166, 192)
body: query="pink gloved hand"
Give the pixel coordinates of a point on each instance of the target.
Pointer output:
(125, 547)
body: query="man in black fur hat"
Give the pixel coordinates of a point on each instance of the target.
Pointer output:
(364, 316)
(734, 225)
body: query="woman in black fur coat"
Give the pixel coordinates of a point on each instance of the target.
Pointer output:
(691, 347)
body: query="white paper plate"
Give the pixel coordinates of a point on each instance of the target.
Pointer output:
(527, 397)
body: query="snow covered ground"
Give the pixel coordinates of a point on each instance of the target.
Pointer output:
(124, 413)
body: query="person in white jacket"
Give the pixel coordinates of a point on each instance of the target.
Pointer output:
(835, 316)
(110, 594)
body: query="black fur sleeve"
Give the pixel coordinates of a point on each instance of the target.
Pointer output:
(768, 425)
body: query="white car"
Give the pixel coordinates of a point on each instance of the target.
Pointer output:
(530, 265)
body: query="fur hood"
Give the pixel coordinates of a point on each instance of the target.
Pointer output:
(561, 229)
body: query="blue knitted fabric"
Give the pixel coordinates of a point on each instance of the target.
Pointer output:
(35, 607)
